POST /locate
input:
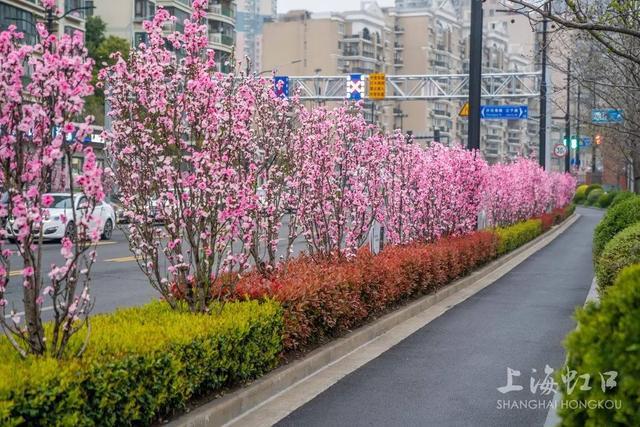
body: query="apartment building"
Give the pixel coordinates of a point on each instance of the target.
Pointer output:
(249, 21)
(428, 40)
(330, 44)
(124, 18)
(24, 14)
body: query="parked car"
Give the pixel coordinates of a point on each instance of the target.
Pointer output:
(60, 221)
(118, 208)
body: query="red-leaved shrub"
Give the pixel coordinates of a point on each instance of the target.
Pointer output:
(324, 299)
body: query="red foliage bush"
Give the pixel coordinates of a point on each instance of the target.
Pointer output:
(555, 217)
(324, 299)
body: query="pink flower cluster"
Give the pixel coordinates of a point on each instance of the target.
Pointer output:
(522, 189)
(233, 170)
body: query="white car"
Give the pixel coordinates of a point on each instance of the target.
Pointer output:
(60, 221)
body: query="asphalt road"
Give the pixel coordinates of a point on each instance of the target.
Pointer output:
(116, 279)
(448, 373)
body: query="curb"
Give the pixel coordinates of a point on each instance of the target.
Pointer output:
(228, 408)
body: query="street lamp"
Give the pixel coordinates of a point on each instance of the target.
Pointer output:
(51, 17)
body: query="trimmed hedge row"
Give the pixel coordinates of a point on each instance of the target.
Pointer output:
(594, 197)
(143, 363)
(621, 251)
(621, 197)
(517, 235)
(322, 300)
(325, 299)
(581, 194)
(608, 339)
(606, 199)
(617, 218)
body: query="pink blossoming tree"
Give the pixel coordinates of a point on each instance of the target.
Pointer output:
(184, 148)
(337, 180)
(37, 133)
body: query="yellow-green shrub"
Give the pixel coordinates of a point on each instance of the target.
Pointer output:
(143, 363)
(581, 193)
(607, 339)
(513, 236)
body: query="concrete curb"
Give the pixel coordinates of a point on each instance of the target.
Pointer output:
(226, 409)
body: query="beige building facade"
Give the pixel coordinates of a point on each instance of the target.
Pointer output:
(124, 19)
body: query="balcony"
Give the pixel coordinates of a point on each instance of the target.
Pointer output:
(441, 113)
(398, 46)
(398, 29)
(225, 10)
(350, 52)
(221, 39)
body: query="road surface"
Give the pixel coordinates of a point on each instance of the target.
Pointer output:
(116, 279)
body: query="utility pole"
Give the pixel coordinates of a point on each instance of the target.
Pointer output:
(475, 75)
(593, 143)
(542, 149)
(567, 118)
(578, 130)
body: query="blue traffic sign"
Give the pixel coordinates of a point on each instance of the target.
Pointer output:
(281, 86)
(355, 87)
(586, 141)
(607, 115)
(504, 112)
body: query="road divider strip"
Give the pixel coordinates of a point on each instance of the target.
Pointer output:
(274, 396)
(122, 259)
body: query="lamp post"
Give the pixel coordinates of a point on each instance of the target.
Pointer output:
(567, 131)
(475, 75)
(50, 18)
(542, 132)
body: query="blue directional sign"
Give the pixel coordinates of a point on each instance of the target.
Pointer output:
(586, 141)
(504, 112)
(355, 87)
(607, 115)
(281, 86)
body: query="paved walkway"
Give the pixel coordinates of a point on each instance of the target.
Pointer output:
(448, 373)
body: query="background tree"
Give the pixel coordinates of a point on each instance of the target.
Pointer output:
(603, 40)
(38, 129)
(100, 49)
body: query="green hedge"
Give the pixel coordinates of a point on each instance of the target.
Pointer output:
(513, 236)
(581, 193)
(607, 339)
(621, 251)
(594, 196)
(621, 197)
(591, 188)
(142, 363)
(606, 198)
(616, 219)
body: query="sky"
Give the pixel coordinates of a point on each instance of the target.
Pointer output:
(325, 5)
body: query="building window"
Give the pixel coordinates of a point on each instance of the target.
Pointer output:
(90, 6)
(139, 8)
(140, 38)
(144, 9)
(23, 20)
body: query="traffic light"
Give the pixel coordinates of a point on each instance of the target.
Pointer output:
(598, 139)
(574, 143)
